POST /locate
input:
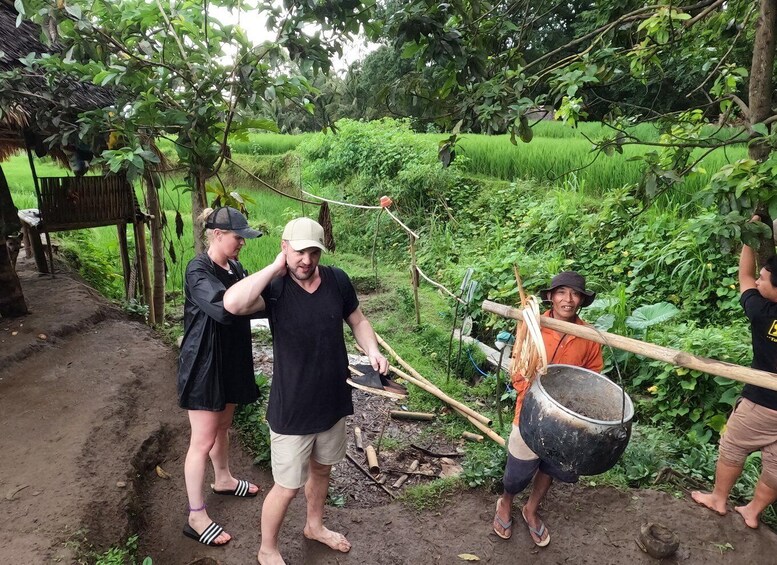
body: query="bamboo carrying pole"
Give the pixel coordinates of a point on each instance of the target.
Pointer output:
(672, 356)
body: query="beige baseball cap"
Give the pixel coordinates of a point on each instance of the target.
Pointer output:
(303, 233)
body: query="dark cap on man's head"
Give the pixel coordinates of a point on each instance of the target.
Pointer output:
(229, 219)
(573, 280)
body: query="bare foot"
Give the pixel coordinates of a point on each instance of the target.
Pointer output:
(326, 536)
(200, 520)
(710, 501)
(270, 558)
(751, 520)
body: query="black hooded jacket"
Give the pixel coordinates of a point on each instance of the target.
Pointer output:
(216, 363)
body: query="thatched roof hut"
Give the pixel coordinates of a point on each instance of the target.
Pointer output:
(23, 94)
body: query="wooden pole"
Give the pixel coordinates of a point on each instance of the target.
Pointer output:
(145, 276)
(422, 382)
(121, 230)
(431, 389)
(414, 272)
(675, 357)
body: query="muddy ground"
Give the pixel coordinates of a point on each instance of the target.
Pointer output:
(88, 410)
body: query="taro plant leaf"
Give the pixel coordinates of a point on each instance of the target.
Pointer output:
(651, 314)
(605, 322)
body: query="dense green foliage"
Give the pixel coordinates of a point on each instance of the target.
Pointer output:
(632, 256)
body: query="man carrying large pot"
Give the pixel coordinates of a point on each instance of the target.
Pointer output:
(753, 424)
(567, 295)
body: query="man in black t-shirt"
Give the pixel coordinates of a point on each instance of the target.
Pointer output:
(306, 304)
(753, 424)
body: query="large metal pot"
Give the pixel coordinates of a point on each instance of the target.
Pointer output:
(576, 418)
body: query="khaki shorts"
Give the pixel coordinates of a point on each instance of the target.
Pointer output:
(291, 454)
(751, 428)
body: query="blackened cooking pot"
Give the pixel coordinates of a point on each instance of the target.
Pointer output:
(576, 418)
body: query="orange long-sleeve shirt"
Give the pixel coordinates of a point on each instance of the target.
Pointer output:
(561, 349)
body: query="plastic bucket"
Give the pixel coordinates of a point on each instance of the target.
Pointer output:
(576, 418)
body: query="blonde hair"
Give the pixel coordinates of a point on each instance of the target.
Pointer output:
(202, 218)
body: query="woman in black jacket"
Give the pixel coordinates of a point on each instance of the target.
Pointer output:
(216, 368)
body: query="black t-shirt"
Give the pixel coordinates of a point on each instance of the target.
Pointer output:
(309, 393)
(762, 314)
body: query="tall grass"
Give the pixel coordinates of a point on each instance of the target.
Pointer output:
(553, 158)
(268, 143)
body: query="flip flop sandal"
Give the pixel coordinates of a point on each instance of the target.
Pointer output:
(506, 526)
(241, 490)
(537, 532)
(369, 380)
(208, 535)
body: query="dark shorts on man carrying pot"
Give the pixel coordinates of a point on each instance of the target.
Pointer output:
(523, 464)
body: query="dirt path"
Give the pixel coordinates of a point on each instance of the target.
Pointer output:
(89, 410)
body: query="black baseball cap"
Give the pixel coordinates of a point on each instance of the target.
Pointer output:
(229, 219)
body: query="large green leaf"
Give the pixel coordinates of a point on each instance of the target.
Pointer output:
(651, 314)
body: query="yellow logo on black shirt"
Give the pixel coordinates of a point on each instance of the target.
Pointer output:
(773, 330)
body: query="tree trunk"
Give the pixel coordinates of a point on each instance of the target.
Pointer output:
(9, 220)
(760, 94)
(199, 203)
(157, 247)
(12, 304)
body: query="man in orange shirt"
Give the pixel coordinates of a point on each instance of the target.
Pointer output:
(566, 295)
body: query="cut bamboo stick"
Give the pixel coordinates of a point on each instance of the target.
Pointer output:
(402, 415)
(372, 460)
(366, 473)
(401, 480)
(675, 357)
(357, 434)
(472, 437)
(485, 429)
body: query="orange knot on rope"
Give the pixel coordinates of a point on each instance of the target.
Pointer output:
(385, 202)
